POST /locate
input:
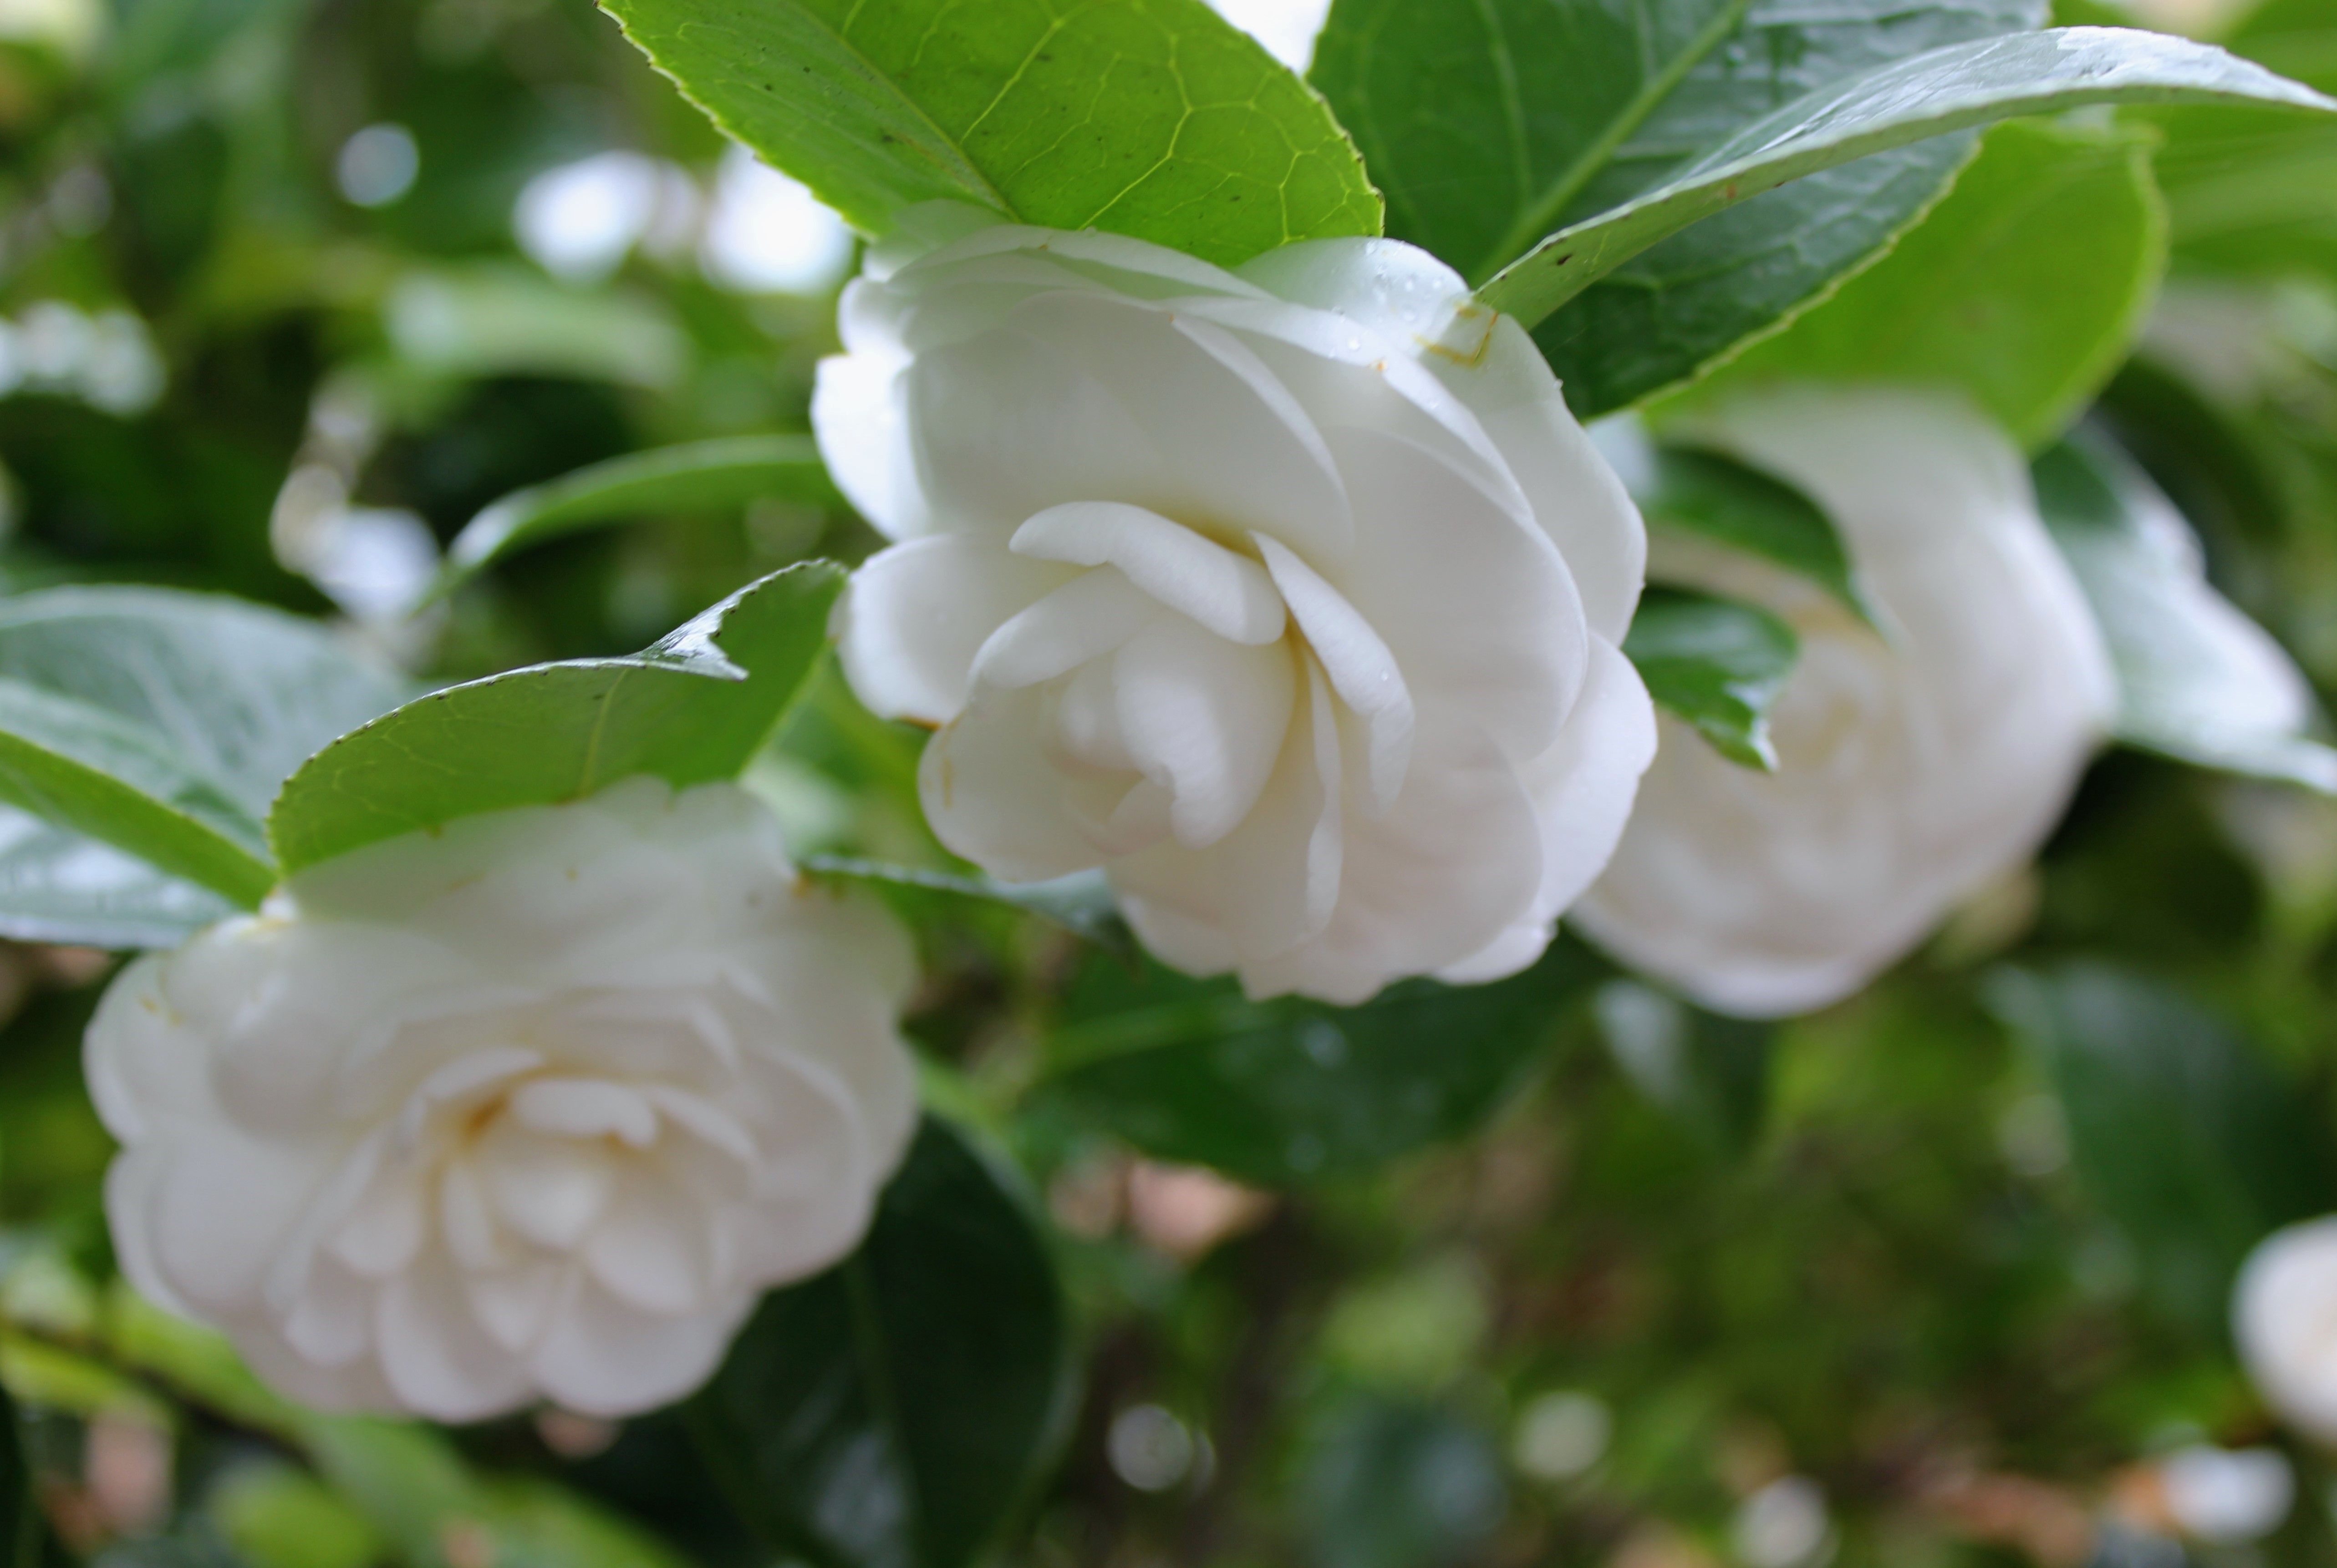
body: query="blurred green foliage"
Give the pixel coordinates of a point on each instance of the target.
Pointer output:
(1954, 1251)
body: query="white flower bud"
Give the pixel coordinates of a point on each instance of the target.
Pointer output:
(2285, 1319)
(531, 1107)
(1916, 764)
(1291, 595)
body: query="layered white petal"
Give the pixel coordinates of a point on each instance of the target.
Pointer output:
(531, 1106)
(1913, 768)
(1318, 691)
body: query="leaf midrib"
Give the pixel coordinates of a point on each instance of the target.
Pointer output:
(1536, 220)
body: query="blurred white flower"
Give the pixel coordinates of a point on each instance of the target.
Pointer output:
(2227, 1496)
(1560, 1434)
(1243, 586)
(378, 165)
(2284, 1320)
(1916, 765)
(577, 222)
(766, 233)
(531, 1107)
(108, 360)
(1782, 1525)
(1286, 27)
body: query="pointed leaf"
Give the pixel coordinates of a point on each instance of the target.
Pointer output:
(2197, 680)
(1155, 118)
(1291, 1091)
(1717, 497)
(1988, 294)
(1717, 663)
(695, 706)
(704, 474)
(892, 1412)
(1908, 100)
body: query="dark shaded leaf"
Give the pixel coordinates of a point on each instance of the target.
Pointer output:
(1289, 1091)
(1716, 663)
(892, 1413)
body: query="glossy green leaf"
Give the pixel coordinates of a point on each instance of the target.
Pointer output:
(1714, 496)
(893, 1412)
(93, 773)
(1081, 903)
(696, 706)
(2256, 193)
(1489, 125)
(1290, 1091)
(1990, 294)
(1717, 663)
(1154, 118)
(701, 475)
(241, 693)
(2198, 679)
(2184, 1136)
(57, 886)
(1614, 356)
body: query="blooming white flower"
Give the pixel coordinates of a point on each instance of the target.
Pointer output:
(2284, 1320)
(532, 1106)
(1291, 595)
(1914, 766)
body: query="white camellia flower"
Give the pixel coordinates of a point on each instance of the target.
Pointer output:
(532, 1106)
(1290, 595)
(2285, 1319)
(1914, 765)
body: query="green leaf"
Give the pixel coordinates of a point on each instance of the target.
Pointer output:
(1489, 125)
(2256, 193)
(1908, 100)
(1081, 903)
(78, 765)
(701, 475)
(1593, 104)
(241, 693)
(1291, 1091)
(494, 319)
(2184, 1136)
(1154, 118)
(894, 1411)
(57, 886)
(2197, 680)
(1718, 498)
(1990, 293)
(1708, 1073)
(1716, 663)
(696, 705)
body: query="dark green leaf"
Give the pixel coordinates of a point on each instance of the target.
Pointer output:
(24, 1532)
(1878, 111)
(1721, 498)
(893, 1412)
(59, 887)
(1988, 294)
(1709, 1073)
(1154, 118)
(1081, 903)
(2197, 680)
(1587, 105)
(1289, 1091)
(704, 474)
(2183, 1134)
(1716, 663)
(696, 705)
(1399, 1484)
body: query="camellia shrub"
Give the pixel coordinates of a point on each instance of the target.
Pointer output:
(1408, 784)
